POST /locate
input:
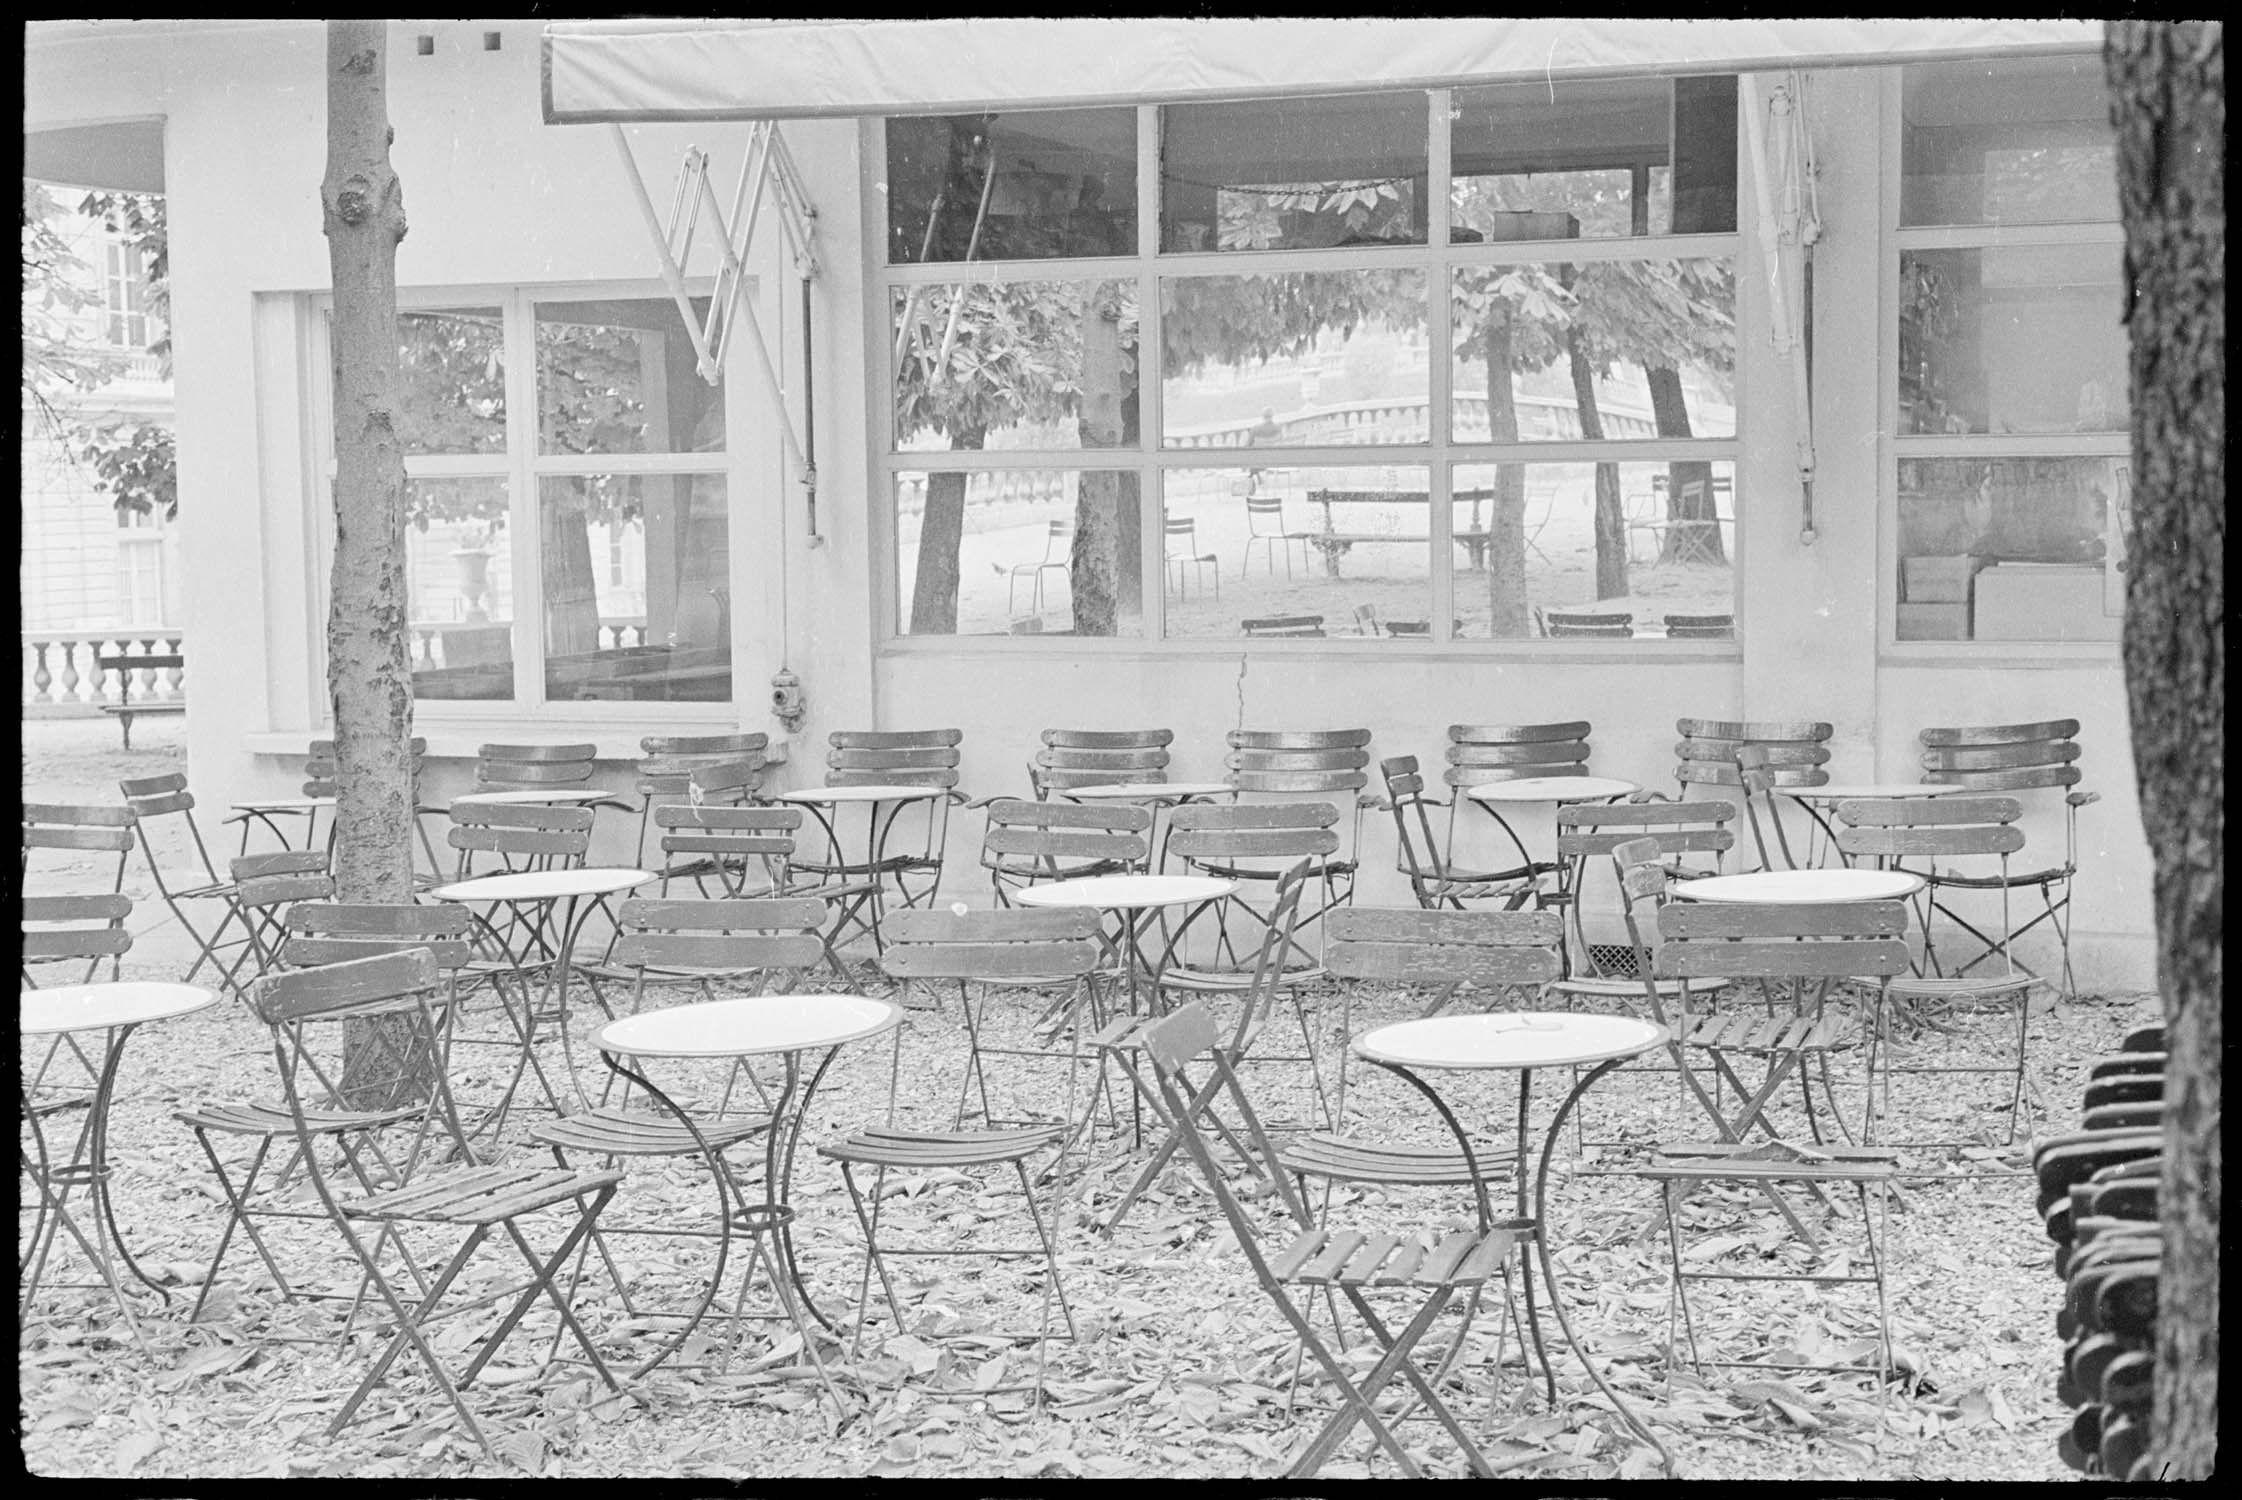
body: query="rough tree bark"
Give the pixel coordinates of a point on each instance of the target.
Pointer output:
(1093, 572)
(1506, 522)
(1689, 486)
(2168, 102)
(369, 668)
(934, 590)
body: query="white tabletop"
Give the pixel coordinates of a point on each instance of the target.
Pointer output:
(1552, 789)
(541, 885)
(748, 1026)
(285, 804)
(833, 794)
(1801, 887)
(1839, 791)
(557, 795)
(1125, 892)
(90, 1007)
(1509, 1039)
(1146, 791)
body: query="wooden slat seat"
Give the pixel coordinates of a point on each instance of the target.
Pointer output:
(614, 1132)
(484, 1195)
(1324, 1154)
(889, 1147)
(274, 1119)
(1324, 1257)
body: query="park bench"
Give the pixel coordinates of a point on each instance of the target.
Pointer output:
(124, 708)
(1333, 542)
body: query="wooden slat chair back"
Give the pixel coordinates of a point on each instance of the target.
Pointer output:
(1422, 852)
(665, 775)
(1481, 753)
(1577, 625)
(61, 928)
(1430, 1268)
(1700, 627)
(1949, 839)
(1691, 838)
(1095, 757)
(75, 829)
(265, 886)
(472, 1201)
(747, 850)
(493, 836)
(908, 757)
(1053, 949)
(1027, 842)
(774, 937)
(1254, 844)
(1706, 753)
(533, 768)
(316, 933)
(1756, 780)
(1294, 763)
(2041, 756)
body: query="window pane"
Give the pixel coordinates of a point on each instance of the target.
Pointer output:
(2026, 338)
(1302, 357)
(451, 394)
(618, 375)
(2011, 548)
(1020, 364)
(1593, 159)
(1668, 538)
(637, 578)
(459, 577)
(1293, 174)
(1019, 551)
(1011, 187)
(1346, 550)
(2021, 141)
(1654, 340)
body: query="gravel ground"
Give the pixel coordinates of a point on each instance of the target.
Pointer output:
(1180, 1368)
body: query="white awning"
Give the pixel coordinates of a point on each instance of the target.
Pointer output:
(723, 70)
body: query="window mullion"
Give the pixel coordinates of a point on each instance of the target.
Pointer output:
(521, 484)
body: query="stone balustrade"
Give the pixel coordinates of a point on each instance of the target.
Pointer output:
(60, 676)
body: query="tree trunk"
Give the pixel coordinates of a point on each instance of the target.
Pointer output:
(369, 665)
(1689, 486)
(564, 549)
(934, 593)
(2168, 100)
(1611, 515)
(1093, 571)
(1506, 523)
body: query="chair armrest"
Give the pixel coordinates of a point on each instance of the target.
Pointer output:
(1373, 801)
(1645, 794)
(2080, 799)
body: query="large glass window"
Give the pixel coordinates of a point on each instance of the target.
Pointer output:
(2011, 408)
(1493, 392)
(580, 555)
(1025, 186)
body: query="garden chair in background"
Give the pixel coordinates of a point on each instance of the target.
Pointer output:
(1705, 756)
(1265, 525)
(64, 929)
(1098, 757)
(2004, 758)
(1562, 625)
(1700, 627)
(320, 771)
(1423, 855)
(1058, 549)
(1944, 839)
(193, 883)
(665, 776)
(58, 826)
(1755, 788)
(1026, 843)
(892, 757)
(264, 887)
(1183, 554)
(1283, 627)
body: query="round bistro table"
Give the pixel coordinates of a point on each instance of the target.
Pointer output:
(1520, 1042)
(116, 1010)
(824, 804)
(1138, 901)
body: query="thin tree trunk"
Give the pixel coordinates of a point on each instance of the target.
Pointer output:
(1093, 571)
(369, 666)
(1689, 486)
(1506, 522)
(2168, 101)
(1610, 514)
(934, 592)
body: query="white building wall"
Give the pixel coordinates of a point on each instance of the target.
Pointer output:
(496, 197)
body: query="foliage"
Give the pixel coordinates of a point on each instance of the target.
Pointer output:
(56, 290)
(140, 220)
(1308, 214)
(133, 462)
(980, 358)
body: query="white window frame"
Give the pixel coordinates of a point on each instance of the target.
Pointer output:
(522, 467)
(1897, 446)
(1150, 460)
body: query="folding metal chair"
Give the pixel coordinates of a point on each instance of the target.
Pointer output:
(153, 801)
(1055, 950)
(1575, 625)
(1755, 783)
(1095, 757)
(1942, 833)
(316, 933)
(321, 772)
(748, 946)
(665, 776)
(264, 885)
(2003, 758)
(62, 929)
(1429, 1268)
(79, 830)
(1058, 549)
(1122, 1042)
(1026, 843)
(1436, 882)
(903, 757)
(1484, 754)
(474, 1202)
(1705, 756)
